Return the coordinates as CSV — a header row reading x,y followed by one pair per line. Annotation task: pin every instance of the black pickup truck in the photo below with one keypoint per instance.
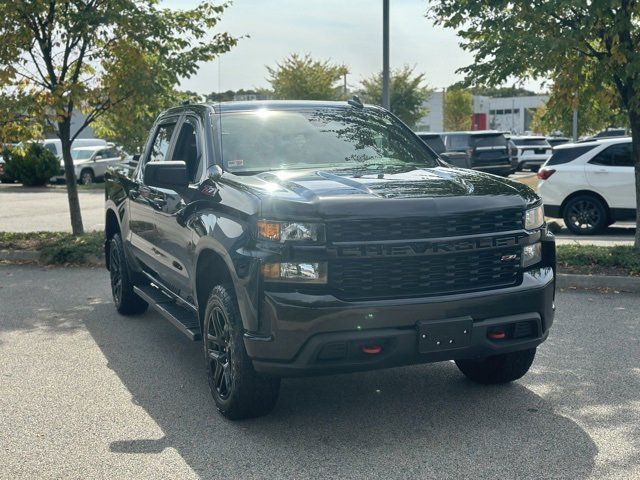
x,y
298,238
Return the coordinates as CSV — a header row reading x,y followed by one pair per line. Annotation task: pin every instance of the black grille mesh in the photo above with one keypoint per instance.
x,y
424,276
439,227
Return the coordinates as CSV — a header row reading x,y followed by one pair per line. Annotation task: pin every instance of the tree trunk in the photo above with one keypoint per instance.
x,y
70,177
634,121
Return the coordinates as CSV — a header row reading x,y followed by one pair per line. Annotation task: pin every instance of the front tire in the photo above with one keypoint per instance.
x,y
585,215
87,177
503,368
238,391
127,302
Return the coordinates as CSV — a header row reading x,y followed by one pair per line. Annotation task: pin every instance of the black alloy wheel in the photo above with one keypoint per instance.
x,y
585,215
219,353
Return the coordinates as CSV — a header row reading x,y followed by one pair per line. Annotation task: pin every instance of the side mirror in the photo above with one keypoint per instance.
x,y
97,157
169,175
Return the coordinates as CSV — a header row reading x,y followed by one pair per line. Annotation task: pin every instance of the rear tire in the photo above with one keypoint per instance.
x,y
503,368
237,389
585,215
127,302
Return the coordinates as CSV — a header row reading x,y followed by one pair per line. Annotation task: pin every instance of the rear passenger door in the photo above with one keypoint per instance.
x,y
611,174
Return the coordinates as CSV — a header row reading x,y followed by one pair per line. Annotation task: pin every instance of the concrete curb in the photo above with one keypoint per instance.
x,y
613,282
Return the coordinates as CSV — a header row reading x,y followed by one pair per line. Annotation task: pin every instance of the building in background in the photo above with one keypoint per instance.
x,y
433,121
512,114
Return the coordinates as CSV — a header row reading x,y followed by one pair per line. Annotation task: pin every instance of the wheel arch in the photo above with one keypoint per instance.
x,y
211,270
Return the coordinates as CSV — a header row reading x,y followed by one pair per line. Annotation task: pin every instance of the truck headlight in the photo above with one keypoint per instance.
x,y
534,218
303,272
531,254
290,231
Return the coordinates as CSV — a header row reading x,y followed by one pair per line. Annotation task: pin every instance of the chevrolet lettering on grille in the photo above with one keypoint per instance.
x,y
420,248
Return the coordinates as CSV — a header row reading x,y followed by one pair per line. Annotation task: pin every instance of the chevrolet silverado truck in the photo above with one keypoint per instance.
x,y
298,238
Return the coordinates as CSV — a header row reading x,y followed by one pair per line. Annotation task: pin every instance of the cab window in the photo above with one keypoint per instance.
x,y
161,142
187,148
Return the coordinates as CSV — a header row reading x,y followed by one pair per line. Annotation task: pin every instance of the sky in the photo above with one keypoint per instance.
x,y
345,31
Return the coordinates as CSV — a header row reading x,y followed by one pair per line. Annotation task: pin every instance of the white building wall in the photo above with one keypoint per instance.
x,y
433,121
513,114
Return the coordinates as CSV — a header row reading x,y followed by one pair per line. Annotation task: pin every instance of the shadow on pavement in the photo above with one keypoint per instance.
x,y
425,421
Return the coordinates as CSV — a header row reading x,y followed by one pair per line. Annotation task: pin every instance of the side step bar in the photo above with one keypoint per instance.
x,y
185,320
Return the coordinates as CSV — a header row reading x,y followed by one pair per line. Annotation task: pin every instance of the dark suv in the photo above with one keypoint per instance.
x,y
487,150
298,238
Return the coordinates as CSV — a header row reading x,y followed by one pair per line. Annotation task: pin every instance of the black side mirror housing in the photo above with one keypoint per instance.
x,y
169,175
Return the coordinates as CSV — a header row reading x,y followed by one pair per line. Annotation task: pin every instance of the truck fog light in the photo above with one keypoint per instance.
x,y
531,254
307,272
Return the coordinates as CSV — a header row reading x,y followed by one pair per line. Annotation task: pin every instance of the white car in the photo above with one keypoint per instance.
x,y
91,163
590,185
529,152
55,146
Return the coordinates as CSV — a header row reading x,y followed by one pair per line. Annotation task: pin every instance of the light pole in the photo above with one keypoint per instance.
x,y
386,98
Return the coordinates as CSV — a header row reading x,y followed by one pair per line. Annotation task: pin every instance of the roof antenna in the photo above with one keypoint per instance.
x,y
355,102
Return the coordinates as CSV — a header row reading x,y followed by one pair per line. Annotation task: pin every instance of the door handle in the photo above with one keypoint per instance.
x,y
601,170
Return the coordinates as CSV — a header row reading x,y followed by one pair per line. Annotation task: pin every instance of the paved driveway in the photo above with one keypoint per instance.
x,y
86,393
47,208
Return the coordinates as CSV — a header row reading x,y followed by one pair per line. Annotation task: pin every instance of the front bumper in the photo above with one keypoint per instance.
x,y
320,334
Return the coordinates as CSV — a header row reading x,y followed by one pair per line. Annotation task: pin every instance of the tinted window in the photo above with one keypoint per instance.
x,y
344,138
458,142
435,142
534,142
51,147
566,155
187,148
161,143
488,141
615,156
109,153
81,154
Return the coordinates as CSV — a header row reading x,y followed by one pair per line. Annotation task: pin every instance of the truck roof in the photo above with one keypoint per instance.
x,y
266,104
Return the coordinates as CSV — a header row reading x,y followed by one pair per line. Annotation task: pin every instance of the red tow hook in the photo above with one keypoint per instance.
x,y
497,335
372,349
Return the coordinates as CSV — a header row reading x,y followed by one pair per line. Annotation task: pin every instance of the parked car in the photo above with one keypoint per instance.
x,y
590,185
486,150
91,163
55,146
435,142
298,238
555,141
529,151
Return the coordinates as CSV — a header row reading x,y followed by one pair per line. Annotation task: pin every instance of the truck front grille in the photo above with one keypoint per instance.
x,y
368,278
438,227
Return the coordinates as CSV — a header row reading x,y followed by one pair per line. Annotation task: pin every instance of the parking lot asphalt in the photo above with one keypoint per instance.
x,y
86,393
47,209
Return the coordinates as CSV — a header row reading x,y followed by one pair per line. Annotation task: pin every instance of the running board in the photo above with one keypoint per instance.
x,y
185,320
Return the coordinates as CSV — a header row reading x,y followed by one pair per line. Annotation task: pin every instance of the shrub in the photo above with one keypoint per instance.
x,y
34,168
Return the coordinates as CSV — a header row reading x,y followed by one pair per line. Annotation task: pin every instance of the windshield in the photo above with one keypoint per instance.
x,y
81,154
533,142
329,138
488,141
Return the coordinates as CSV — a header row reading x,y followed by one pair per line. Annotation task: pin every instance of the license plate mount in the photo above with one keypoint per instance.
x,y
443,335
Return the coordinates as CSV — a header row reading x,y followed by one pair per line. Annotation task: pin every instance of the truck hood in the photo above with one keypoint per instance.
x,y
417,192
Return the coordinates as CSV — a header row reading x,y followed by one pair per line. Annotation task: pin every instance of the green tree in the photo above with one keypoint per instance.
x,y
128,123
598,105
17,123
304,78
94,55
458,108
408,92
595,40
